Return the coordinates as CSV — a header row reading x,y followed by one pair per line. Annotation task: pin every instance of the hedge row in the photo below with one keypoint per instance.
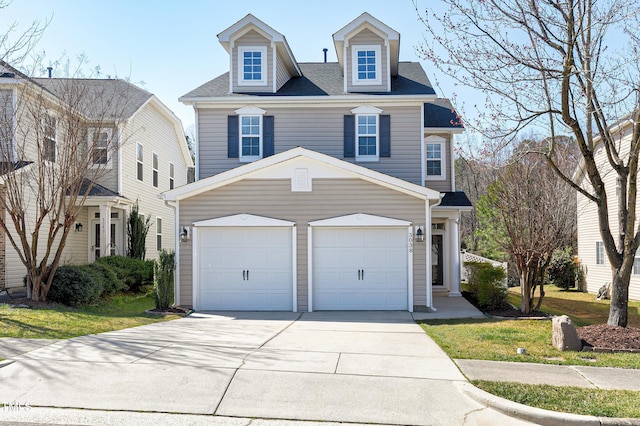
x,y
81,284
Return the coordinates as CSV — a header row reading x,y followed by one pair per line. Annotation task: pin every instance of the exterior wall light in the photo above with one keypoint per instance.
x,y
419,234
78,227
184,234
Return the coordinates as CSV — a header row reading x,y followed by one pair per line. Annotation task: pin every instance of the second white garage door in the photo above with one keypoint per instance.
x,y
247,269
360,269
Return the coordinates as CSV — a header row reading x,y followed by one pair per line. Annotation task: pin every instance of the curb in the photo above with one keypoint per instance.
x,y
6,362
538,415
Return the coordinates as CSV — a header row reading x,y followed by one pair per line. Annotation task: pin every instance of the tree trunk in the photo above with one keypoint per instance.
x,y
618,312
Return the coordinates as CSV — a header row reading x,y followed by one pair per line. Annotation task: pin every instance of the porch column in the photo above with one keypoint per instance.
x,y
427,242
105,230
454,244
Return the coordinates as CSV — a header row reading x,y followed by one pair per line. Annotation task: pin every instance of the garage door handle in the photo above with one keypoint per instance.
x,y
247,275
363,274
244,275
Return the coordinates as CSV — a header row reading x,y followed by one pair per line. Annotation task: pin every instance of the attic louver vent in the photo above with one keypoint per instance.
x,y
7,75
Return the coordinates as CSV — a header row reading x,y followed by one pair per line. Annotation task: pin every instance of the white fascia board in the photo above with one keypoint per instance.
x,y
364,19
453,131
244,220
443,209
360,220
224,102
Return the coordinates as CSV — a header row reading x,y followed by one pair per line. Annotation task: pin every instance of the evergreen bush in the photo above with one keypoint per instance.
x,y
487,283
75,285
163,279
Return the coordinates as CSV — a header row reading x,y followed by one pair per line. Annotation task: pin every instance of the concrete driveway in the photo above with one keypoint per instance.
x,y
364,367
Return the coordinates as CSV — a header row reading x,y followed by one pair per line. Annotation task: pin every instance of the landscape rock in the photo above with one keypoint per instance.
x,y
564,334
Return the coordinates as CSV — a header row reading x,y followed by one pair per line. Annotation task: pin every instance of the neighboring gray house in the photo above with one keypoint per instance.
x,y
320,186
151,157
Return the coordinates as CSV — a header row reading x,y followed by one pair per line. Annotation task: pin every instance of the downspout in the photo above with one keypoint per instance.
x,y
176,244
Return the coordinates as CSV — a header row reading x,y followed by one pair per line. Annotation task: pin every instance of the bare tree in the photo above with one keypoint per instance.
x,y
560,67
57,137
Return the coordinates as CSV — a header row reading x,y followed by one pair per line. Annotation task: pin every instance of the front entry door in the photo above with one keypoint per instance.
x,y
116,234
437,260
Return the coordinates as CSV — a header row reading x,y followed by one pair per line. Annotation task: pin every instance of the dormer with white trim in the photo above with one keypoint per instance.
x,y
260,60
368,53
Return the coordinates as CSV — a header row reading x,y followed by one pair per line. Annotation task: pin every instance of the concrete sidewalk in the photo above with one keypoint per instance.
x,y
548,374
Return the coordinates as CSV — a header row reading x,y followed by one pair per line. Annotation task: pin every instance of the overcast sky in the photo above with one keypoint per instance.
x,y
169,47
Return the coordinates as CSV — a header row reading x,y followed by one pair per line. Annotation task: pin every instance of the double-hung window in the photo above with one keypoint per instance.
x,y
250,137
599,253
366,137
366,65
636,263
158,234
435,161
252,69
139,162
49,139
99,147
154,163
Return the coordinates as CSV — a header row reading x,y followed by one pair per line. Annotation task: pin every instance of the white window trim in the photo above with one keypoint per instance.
x,y
365,158
158,233
436,140
139,161
155,156
263,66
249,112
599,248
354,66
92,132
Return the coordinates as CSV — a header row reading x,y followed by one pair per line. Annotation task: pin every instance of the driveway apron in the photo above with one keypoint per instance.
x,y
370,367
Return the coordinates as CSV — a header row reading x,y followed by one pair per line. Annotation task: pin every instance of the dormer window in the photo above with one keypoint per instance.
x,y
366,65
252,70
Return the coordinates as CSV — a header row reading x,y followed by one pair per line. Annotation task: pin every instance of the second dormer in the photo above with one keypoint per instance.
x,y
368,53
260,58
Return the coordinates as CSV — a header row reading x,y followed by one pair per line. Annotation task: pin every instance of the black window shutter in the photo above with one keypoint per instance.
x,y
385,136
233,142
267,136
349,136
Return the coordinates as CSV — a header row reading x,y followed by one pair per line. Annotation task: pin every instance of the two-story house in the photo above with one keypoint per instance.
x,y
320,186
136,148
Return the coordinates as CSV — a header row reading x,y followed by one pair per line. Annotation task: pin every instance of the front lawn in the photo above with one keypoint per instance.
x,y
61,322
498,340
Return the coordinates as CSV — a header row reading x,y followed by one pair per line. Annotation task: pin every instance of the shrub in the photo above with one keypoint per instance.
x,y
103,272
163,269
137,230
487,282
75,285
562,270
134,273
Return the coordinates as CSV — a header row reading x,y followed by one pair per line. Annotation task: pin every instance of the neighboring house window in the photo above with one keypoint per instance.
x,y
599,253
158,234
171,176
49,140
154,162
252,70
99,146
435,162
140,161
366,137
636,263
366,65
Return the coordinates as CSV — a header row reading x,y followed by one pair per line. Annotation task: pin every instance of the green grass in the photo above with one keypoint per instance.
x,y
61,322
594,402
497,340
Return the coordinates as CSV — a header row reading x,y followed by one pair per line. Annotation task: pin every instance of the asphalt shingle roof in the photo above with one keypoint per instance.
x,y
324,79
455,199
98,98
440,113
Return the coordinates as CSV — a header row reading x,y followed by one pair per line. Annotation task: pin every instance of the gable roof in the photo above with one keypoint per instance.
x,y
322,80
440,113
252,169
250,22
367,21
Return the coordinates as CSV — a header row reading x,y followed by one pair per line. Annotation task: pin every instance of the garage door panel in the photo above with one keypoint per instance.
x,y
360,269
246,269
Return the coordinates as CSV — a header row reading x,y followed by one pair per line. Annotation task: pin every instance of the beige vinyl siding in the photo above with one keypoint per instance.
x,y
367,37
442,185
318,129
6,122
589,229
156,134
282,75
329,198
252,38
76,251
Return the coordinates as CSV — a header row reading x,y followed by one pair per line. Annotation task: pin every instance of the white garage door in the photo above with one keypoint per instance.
x,y
245,269
360,269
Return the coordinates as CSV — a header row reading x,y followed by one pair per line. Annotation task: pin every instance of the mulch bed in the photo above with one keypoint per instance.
x,y
610,337
174,310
